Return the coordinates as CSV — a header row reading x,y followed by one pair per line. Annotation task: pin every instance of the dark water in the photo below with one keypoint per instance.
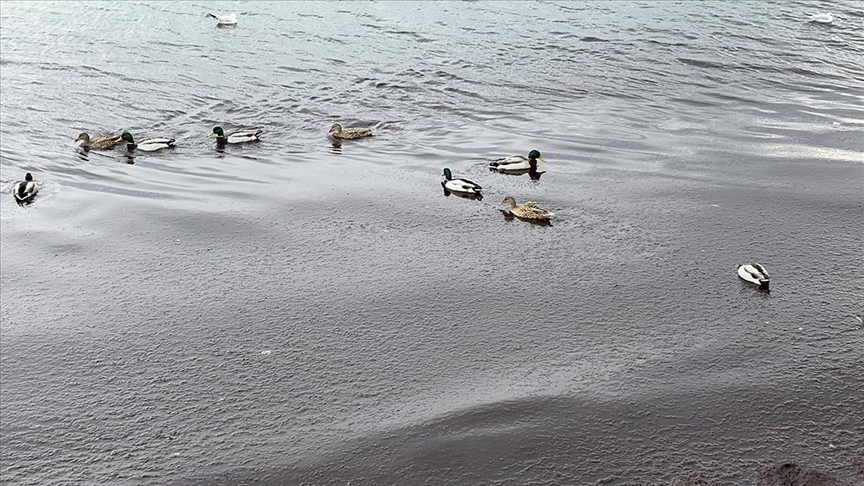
x,y
296,313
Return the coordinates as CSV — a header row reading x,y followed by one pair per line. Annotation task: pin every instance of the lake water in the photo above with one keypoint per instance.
x,y
294,312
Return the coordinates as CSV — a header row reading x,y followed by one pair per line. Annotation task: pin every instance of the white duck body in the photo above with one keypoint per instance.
x,y
230,19
514,162
462,185
755,274
25,190
154,144
243,136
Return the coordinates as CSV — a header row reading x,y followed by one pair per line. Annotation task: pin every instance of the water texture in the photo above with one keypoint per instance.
x,y
299,312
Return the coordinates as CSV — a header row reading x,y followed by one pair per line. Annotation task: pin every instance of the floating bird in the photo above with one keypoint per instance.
x,y
230,19
517,162
24,191
755,274
149,145
240,136
528,211
822,18
84,142
459,185
336,131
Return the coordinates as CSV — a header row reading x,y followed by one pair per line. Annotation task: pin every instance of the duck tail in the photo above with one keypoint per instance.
x,y
258,132
171,142
211,15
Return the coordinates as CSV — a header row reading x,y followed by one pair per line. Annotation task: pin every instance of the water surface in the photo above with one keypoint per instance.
x,y
292,312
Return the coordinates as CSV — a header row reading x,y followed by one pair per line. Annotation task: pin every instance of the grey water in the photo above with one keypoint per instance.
x,y
302,312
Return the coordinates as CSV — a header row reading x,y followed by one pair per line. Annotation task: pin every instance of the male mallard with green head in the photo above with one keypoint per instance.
x,y
529,210
459,185
149,145
517,162
84,142
240,136
336,131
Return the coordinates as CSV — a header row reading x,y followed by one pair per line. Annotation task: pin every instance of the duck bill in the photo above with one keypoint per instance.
x,y
541,159
211,134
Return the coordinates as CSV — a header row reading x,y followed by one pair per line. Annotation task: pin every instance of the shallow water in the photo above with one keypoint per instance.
x,y
293,312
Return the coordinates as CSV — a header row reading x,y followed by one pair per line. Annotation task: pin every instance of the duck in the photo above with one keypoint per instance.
x,y
336,131
755,274
459,185
517,162
86,143
822,18
240,136
230,19
529,210
149,145
24,191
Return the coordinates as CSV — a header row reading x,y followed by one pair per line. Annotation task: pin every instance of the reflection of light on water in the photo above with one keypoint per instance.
x,y
807,152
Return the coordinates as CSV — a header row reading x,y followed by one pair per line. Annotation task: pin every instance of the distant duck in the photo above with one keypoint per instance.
x,y
755,274
336,131
529,210
517,162
459,185
230,19
84,142
240,136
24,191
149,145
822,18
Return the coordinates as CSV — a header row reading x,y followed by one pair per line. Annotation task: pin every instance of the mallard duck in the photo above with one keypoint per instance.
x,y
240,136
230,19
336,131
755,274
517,162
84,142
149,145
459,185
529,210
24,191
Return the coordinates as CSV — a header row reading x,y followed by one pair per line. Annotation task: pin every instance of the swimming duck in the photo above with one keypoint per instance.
x,y
517,162
84,142
755,274
336,131
529,210
459,185
822,18
240,136
230,19
149,145
24,191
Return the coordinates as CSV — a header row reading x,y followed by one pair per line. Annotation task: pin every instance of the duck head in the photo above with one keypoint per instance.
x,y
130,142
535,155
509,201
83,139
335,129
216,132
447,174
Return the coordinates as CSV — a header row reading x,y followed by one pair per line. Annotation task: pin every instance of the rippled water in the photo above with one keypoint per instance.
x,y
296,312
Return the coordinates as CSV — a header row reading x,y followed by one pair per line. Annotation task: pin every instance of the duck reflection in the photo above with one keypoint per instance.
x,y
463,195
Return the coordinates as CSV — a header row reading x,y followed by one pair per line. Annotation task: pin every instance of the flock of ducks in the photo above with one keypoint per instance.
x,y
25,191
